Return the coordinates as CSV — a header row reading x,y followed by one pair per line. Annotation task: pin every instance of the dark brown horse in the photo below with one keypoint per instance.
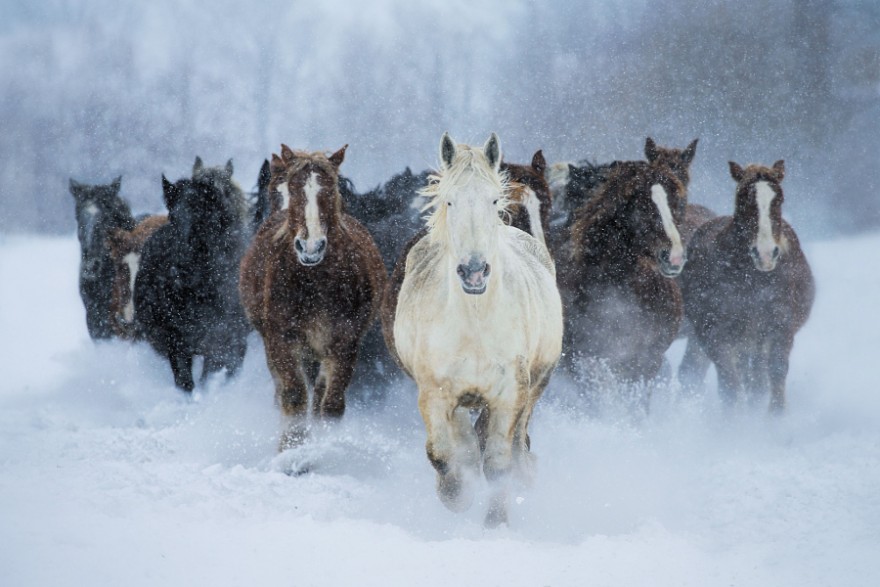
x,y
748,287
311,284
125,251
623,306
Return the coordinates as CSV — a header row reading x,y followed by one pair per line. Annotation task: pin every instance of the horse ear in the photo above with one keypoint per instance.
x,y
265,175
197,166
688,154
229,167
277,165
650,150
447,150
338,157
736,172
539,164
116,185
286,153
75,187
779,169
169,193
492,151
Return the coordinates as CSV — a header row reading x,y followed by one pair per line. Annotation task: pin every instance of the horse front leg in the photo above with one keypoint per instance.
x,y
507,415
452,445
779,351
291,391
333,380
694,366
727,363
181,366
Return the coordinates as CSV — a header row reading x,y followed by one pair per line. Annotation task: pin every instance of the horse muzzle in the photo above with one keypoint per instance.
x,y
474,275
671,265
310,253
765,261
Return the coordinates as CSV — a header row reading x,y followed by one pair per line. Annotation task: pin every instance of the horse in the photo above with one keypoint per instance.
x,y
99,210
125,251
748,287
478,325
623,304
528,209
311,284
186,292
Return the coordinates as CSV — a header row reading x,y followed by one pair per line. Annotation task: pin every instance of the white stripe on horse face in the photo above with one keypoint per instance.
x,y
765,243
91,209
285,195
133,260
660,199
533,207
313,217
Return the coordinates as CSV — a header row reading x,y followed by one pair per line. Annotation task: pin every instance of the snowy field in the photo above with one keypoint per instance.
x,y
110,476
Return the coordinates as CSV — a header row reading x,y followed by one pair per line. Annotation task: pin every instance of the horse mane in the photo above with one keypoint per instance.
x,y
441,184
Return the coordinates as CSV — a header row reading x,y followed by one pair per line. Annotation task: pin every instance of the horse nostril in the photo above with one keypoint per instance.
x,y
754,252
462,271
298,245
320,246
664,256
487,270
775,252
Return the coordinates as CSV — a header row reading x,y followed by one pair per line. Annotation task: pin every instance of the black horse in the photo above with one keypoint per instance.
x,y
99,211
186,292
391,213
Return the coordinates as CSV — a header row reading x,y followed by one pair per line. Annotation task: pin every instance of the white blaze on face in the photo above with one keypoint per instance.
x,y
91,209
313,217
285,195
133,261
533,207
765,244
676,251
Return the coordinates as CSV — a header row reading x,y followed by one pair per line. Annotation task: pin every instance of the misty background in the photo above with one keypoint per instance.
x,y
99,88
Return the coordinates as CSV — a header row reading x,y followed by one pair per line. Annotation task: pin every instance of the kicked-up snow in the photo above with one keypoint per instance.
x,y
109,475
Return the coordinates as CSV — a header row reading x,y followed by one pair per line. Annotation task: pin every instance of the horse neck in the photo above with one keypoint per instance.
x,y
607,246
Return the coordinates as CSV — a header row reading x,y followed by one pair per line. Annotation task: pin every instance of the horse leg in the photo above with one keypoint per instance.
x,y
333,379
291,391
727,361
504,419
780,350
694,366
181,365
757,371
446,425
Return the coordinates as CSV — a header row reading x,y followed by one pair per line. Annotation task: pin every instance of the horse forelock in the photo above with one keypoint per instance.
x,y
443,185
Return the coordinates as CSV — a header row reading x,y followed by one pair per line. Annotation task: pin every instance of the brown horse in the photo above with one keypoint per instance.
x,y
125,251
748,287
623,306
311,284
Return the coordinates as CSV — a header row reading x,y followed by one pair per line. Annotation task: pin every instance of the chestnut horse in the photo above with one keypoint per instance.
x,y
186,291
125,251
99,211
311,284
623,304
748,287
478,325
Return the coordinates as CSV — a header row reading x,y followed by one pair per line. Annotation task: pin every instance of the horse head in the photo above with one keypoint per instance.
x,y
529,197
678,160
99,210
309,183
758,212
467,195
653,213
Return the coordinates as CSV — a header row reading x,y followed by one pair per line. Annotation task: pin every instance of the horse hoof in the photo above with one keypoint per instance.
x,y
451,490
295,436
496,516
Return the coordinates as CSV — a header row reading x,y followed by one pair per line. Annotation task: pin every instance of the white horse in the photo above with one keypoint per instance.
x,y
478,325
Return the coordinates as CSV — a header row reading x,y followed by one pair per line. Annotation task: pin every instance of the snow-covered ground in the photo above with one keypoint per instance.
x,y
110,476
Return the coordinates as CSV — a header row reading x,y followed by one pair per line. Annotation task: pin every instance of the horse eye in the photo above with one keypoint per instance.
x,y
449,204
495,202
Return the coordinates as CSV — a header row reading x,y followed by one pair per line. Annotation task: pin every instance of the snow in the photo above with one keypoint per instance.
x,y
109,475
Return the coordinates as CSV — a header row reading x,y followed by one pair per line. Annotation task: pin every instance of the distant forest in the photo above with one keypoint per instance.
x,y
97,88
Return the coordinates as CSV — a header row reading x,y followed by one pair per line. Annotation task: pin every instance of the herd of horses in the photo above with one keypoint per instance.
x,y
460,279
